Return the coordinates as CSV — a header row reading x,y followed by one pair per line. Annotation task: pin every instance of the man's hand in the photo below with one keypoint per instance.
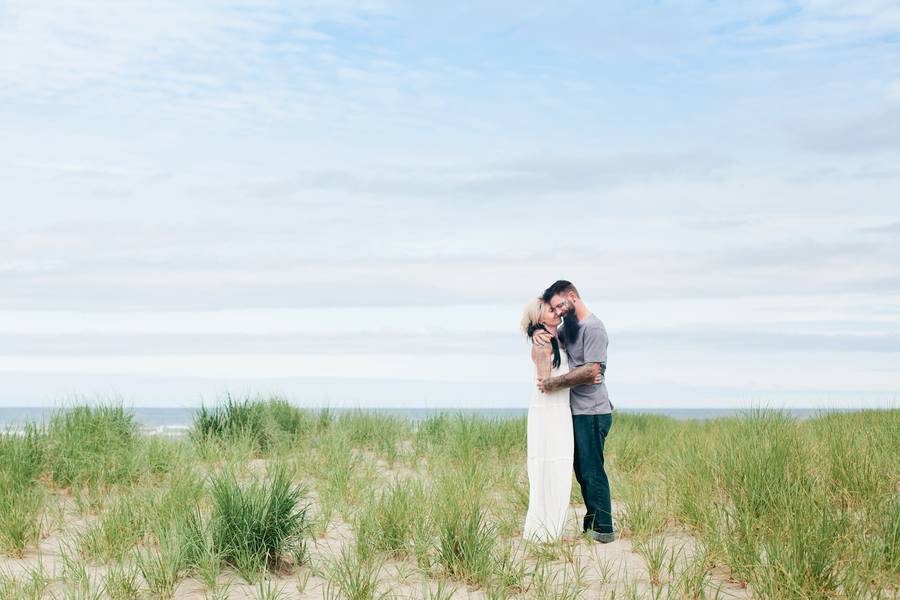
x,y
541,338
549,385
540,385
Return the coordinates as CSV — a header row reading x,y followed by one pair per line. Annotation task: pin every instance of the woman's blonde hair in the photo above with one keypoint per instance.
x,y
531,316
531,322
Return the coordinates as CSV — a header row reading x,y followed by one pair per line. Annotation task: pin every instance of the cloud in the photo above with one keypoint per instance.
x,y
378,256
269,166
164,291
675,31
893,91
226,64
511,343
503,179
870,133
339,344
724,223
51,47
796,254
761,341
875,285
889,228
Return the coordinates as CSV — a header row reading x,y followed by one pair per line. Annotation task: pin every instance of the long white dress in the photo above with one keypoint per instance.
x,y
550,451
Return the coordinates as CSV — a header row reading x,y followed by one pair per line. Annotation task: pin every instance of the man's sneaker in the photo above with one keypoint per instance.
x,y
603,538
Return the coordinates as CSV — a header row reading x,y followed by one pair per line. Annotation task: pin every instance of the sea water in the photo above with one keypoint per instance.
x,y
177,420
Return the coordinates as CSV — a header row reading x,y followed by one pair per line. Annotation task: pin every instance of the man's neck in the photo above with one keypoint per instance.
x,y
582,312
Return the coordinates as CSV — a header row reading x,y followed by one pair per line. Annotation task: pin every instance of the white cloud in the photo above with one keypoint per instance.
x,y
259,169
893,91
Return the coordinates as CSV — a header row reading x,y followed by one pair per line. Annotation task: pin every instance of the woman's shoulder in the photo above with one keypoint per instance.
x,y
541,348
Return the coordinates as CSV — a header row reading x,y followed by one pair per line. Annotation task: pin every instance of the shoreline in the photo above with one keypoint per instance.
x,y
177,422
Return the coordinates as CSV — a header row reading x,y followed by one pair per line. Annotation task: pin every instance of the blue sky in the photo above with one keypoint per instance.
x,y
350,202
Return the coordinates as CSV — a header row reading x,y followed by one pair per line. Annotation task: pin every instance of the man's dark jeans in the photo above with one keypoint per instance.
x,y
590,437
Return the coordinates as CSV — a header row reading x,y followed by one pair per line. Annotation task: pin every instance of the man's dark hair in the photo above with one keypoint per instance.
x,y
560,287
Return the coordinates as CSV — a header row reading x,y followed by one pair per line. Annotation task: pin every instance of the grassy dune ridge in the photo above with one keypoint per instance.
x,y
264,500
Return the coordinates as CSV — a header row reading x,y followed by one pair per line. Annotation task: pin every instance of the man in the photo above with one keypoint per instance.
x,y
585,340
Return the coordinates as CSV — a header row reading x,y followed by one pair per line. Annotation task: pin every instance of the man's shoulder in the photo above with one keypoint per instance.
x,y
593,329
593,322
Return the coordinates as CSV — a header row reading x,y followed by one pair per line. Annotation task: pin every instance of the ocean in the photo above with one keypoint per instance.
x,y
177,420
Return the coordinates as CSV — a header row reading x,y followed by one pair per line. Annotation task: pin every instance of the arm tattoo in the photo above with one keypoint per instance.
x,y
581,376
541,359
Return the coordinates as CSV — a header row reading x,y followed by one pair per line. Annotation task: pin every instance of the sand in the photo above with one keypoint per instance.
x,y
612,570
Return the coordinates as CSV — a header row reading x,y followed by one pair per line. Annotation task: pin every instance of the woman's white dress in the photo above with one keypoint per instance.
x,y
550,450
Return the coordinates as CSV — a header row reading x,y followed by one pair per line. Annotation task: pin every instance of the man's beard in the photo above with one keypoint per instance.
x,y
570,327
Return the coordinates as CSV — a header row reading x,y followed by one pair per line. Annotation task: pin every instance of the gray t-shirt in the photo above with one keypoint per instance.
x,y
589,346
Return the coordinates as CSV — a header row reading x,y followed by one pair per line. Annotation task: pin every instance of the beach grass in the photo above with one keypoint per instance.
x,y
21,498
355,574
92,446
385,524
257,525
372,505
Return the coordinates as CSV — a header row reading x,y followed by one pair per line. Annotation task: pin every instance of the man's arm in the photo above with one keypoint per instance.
x,y
586,374
541,338
595,342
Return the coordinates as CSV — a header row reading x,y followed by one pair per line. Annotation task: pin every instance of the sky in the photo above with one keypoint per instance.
x,y
349,203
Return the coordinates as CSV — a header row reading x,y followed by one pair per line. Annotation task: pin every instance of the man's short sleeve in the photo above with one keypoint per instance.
x,y
595,343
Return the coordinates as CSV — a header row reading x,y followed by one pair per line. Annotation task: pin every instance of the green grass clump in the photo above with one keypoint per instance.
x,y
796,508
466,542
134,515
233,419
379,433
32,585
21,498
121,527
466,437
121,582
343,475
387,523
92,446
258,525
466,537
644,516
262,423
354,575
160,456
162,565
291,420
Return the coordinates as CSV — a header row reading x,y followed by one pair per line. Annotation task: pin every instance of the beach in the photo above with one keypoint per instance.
x,y
259,499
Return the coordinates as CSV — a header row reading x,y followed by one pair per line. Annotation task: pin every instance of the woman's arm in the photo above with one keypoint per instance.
x,y
541,357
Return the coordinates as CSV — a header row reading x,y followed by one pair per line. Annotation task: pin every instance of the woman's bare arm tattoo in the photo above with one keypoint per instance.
x,y
541,358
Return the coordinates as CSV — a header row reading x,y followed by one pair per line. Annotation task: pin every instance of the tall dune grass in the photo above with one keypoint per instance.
x,y
385,524
264,424
257,525
92,446
21,499
794,509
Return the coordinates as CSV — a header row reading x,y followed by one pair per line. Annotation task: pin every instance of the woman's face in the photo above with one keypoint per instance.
x,y
548,316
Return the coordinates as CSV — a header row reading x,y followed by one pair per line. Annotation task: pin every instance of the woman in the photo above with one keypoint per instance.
x,y
550,440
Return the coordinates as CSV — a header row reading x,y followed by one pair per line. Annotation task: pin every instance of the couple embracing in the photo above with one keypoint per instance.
x,y
569,416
